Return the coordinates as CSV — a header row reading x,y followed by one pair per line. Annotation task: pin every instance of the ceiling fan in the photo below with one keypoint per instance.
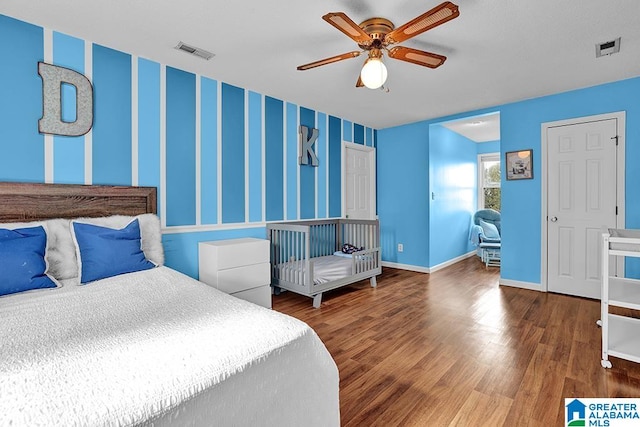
x,y
376,35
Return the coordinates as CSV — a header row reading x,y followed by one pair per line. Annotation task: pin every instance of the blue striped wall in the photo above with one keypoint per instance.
x,y
180,147
209,151
112,126
21,146
68,154
222,157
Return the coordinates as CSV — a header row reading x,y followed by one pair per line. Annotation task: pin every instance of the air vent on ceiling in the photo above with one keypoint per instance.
x,y
204,54
607,48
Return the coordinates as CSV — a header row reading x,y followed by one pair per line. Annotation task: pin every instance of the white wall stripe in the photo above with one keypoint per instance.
x,y
48,138
48,158
134,120
246,156
176,229
88,138
219,152
298,191
264,159
163,145
315,148
198,149
284,161
326,166
218,227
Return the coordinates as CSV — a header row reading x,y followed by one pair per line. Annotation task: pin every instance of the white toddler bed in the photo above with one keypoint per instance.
x,y
152,347
306,256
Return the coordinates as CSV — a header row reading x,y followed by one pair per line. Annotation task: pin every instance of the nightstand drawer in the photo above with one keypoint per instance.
x,y
238,267
224,254
260,295
242,278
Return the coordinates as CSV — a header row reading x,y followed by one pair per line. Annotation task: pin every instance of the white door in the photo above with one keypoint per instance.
x,y
581,202
359,190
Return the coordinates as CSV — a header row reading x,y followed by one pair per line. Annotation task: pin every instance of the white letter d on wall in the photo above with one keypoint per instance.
x,y
51,122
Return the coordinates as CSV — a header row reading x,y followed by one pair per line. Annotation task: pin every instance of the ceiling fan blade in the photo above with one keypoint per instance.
x,y
428,20
415,56
329,60
343,23
359,82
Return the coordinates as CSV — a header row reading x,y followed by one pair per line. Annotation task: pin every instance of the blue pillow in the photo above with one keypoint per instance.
x,y
22,263
106,252
490,231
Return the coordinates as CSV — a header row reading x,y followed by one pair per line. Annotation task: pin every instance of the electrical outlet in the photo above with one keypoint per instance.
x,y
400,247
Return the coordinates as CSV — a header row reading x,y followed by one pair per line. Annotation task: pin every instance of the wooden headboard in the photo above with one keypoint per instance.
x,y
32,202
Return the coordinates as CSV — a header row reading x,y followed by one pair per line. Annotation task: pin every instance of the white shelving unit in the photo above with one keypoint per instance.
x,y
620,334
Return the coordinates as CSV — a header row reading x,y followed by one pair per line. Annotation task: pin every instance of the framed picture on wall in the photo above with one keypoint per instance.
x,y
519,164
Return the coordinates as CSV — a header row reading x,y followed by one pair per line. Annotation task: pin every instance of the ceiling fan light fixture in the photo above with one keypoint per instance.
x,y
373,73
375,35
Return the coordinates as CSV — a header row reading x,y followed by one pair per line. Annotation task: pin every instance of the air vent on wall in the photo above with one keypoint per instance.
x,y
607,48
204,54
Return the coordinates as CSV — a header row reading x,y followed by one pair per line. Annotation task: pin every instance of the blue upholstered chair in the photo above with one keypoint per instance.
x,y
486,233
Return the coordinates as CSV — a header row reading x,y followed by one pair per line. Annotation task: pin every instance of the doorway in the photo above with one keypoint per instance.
x,y
582,195
359,182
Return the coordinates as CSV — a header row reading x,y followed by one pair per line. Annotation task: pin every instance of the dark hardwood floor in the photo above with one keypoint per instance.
x,y
454,348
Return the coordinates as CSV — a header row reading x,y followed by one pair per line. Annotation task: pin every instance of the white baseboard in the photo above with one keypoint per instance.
x,y
451,261
409,267
433,269
523,285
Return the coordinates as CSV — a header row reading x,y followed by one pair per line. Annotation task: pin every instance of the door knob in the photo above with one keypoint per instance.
x,y
554,218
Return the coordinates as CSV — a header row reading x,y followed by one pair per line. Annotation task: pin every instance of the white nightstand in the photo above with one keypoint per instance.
x,y
239,267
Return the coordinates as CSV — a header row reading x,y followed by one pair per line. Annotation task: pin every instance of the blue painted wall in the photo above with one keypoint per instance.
x,y
403,193
226,185
111,132
453,179
521,200
22,156
68,156
521,204
180,147
488,147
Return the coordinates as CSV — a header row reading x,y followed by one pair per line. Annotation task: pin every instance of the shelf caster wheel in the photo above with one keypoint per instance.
x,y
606,364
599,323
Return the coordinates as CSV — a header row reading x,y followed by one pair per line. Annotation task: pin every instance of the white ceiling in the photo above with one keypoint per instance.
x,y
483,128
498,51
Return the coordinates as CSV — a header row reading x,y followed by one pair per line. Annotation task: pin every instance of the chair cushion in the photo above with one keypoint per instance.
x,y
488,215
490,231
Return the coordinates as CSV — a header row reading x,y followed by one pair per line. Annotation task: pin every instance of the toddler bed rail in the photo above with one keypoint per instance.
x,y
306,257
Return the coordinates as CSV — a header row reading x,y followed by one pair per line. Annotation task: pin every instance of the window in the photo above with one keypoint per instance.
x,y
489,181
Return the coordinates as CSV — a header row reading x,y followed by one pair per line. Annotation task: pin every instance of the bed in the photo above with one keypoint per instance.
x,y
151,347
312,257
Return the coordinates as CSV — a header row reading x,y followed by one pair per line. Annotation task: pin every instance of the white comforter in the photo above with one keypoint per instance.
x,y
157,346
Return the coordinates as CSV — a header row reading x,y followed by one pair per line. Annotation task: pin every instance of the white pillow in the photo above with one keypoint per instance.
x,y
61,253
342,254
150,234
62,262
